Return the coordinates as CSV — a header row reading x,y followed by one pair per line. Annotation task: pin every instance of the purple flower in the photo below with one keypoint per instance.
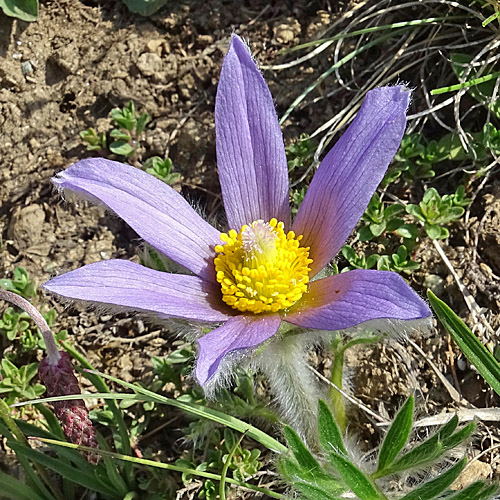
x,y
261,273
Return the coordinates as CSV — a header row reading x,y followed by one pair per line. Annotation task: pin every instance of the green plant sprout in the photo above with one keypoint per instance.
x,y
300,153
435,211
129,128
20,284
16,383
95,141
162,169
381,218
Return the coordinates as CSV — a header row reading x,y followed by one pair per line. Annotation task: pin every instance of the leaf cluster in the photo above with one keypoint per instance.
x,y
435,211
398,262
339,474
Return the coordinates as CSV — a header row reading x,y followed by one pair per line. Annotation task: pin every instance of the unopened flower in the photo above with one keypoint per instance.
x,y
262,272
56,373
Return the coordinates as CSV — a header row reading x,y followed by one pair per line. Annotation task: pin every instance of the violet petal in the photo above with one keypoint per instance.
x,y
157,213
240,332
251,156
134,287
349,299
349,174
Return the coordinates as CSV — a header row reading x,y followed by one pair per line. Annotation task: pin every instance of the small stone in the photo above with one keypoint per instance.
x,y
149,63
26,226
435,283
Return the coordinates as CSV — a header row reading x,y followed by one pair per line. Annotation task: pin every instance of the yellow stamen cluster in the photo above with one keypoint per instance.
x,y
262,269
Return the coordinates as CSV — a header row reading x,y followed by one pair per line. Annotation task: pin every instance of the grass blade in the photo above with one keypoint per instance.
x,y
469,344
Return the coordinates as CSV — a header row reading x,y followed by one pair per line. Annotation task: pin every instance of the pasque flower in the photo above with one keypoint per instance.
x,y
261,272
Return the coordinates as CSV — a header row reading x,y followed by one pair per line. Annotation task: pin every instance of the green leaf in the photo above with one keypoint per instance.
x,y
459,436
433,488
475,491
397,436
474,350
26,10
435,232
449,428
17,490
144,7
67,471
422,454
353,477
330,436
300,452
121,147
313,492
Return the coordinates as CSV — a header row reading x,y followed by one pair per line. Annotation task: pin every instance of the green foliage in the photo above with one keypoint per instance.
x,y
129,129
332,479
358,261
300,153
380,218
484,362
15,383
297,199
144,7
435,211
397,436
483,92
26,10
95,141
162,169
20,284
399,262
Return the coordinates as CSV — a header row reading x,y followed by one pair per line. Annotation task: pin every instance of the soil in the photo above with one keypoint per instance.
x,y
65,72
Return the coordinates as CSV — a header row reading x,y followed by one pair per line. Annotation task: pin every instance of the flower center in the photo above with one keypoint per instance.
x,y
262,269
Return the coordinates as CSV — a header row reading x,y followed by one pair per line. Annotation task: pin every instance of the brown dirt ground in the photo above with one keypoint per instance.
x,y
65,72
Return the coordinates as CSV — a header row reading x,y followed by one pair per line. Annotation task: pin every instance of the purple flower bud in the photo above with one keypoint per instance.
x,y
60,380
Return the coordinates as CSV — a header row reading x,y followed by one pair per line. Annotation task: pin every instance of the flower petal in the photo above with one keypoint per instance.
x,y
251,156
349,174
240,332
157,213
349,299
134,287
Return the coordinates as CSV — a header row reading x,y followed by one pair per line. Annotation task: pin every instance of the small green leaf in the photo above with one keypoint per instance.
x,y
433,488
397,436
353,477
329,433
469,344
300,452
459,436
313,492
26,10
449,428
121,147
422,454
475,491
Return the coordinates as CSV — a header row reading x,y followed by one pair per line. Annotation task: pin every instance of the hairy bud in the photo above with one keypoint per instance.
x,y
60,380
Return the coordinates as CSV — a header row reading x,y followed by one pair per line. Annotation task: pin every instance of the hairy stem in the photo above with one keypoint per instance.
x,y
292,384
336,398
52,351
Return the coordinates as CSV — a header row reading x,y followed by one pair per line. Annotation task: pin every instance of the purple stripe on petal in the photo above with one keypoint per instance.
x,y
351,298
158,214
241,332
349,174
251,156
134,287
